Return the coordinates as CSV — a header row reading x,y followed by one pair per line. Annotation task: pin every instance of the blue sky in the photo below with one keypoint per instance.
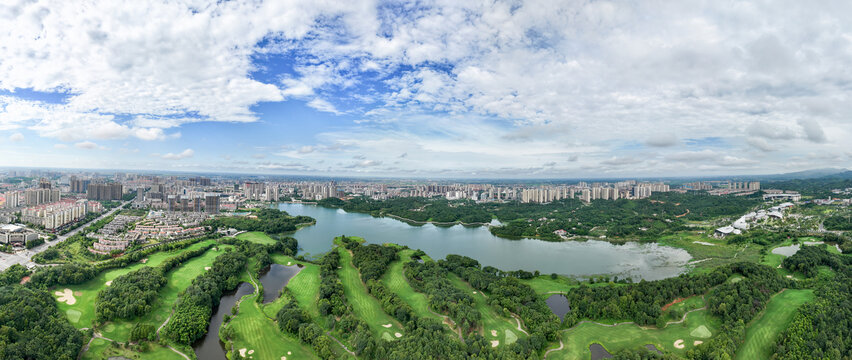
x,y
429,88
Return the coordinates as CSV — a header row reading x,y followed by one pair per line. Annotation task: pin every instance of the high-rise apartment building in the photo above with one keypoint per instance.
x,y
111,191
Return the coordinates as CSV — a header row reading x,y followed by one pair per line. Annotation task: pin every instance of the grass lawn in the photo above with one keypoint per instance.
x,y
252,330
506,330
763,332
304,287
365,306
82,313
631,336
256,237
178,279
395,281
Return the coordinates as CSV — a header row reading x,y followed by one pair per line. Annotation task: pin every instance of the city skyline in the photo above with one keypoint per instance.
x,y
371,89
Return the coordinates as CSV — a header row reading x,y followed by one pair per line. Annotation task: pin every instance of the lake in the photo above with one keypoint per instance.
x,y
572,258
209,346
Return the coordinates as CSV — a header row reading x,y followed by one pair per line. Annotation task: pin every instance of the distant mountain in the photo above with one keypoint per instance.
x,y
811,174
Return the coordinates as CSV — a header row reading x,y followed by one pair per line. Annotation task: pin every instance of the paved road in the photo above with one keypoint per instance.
x,y
24,257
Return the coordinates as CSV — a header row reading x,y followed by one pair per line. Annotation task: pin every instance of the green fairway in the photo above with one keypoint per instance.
x,y
365,306
257,237
260,336
762,333
631,336
178,279
82,313
494,326
304,287
395,281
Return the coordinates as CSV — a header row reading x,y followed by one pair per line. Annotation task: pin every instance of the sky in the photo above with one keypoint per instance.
x,y
502,89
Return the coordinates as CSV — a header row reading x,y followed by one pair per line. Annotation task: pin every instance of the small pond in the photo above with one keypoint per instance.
x,y
275,279
559,305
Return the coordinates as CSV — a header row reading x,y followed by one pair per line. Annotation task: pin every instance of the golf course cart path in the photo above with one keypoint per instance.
x,y
561,346
521,329
340,343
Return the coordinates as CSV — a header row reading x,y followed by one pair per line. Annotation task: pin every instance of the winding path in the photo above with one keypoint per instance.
x,y
561,346
340,343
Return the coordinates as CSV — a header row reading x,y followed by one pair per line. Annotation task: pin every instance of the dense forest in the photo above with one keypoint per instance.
x,y
130,295
430,279
821,329
838,222
193,308
510,296
270,221
31,326
645,218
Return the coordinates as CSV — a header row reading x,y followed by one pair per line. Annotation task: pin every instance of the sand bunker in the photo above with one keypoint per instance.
x,y
283,358
789,276
206,268
387,325
289,353
494,343
701,332
289,262
697,342
397,335
251,352
66,296
494,333
704,243
243,352
144,260
679,344
108,283
474,292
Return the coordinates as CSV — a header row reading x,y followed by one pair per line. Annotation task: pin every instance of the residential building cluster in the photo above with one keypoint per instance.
x,y
57,215
16,235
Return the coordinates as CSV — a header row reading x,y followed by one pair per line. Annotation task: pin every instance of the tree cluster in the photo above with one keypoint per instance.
x,y
31,326
130,295
270,221
430,279
193,308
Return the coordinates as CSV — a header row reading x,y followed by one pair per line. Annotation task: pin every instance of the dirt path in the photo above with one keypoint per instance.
x,y
561,346
521,329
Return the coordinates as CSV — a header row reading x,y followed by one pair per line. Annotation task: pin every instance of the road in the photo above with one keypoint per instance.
x,y
24,257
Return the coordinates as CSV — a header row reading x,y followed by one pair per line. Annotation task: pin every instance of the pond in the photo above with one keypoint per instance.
x,y
558,305
275,279
792,249
209,347
572,258
598,352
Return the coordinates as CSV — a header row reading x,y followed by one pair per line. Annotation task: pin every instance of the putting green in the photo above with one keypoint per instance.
x,y
256,237
510,337
73,315
701,332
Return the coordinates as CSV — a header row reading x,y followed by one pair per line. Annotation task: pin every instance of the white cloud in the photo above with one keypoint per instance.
x,y
323,106
16,137
188,153
662,140
88,145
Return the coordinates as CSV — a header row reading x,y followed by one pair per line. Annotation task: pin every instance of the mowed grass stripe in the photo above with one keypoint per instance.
x,y
365,305
395,281
763,332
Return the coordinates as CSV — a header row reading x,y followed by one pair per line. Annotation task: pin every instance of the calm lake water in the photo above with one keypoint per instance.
x,y
275,279
573,258
209,347
559,305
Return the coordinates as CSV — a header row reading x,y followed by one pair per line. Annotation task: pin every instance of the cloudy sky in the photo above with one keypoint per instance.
x,y
430,88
